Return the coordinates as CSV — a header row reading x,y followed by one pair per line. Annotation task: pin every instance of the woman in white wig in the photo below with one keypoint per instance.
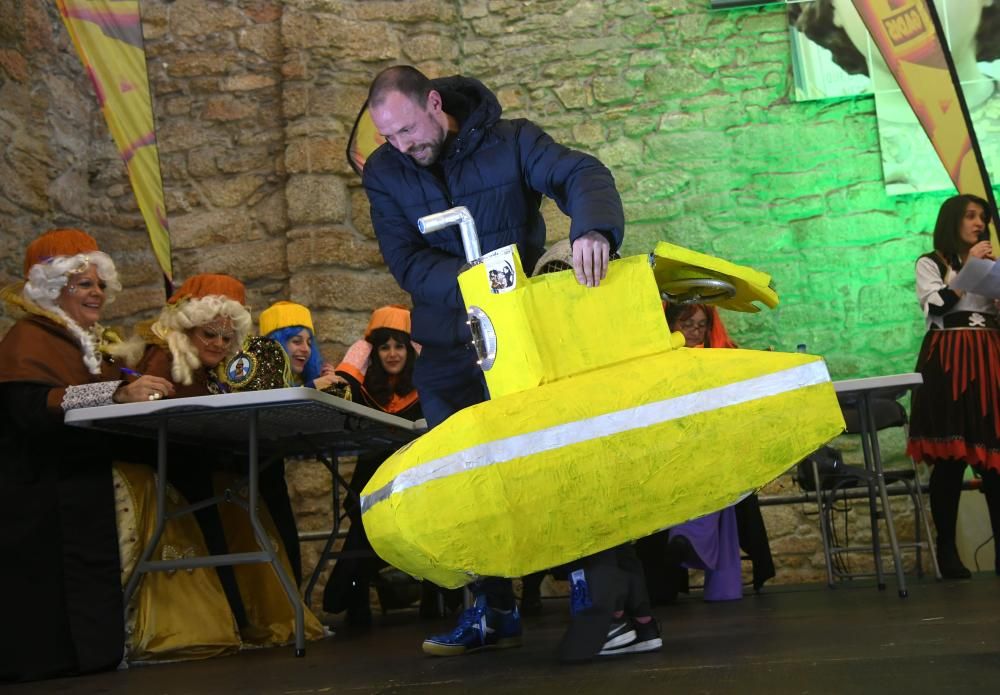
x,y
202,326
204,323
58,538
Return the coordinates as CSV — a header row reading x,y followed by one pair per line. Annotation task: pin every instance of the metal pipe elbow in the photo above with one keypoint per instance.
x,y
467,227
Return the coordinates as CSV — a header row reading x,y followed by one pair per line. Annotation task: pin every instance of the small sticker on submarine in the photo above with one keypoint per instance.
x,y
500,270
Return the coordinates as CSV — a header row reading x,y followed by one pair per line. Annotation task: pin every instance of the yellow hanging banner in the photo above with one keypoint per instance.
x,y
107,35
364,140
908,35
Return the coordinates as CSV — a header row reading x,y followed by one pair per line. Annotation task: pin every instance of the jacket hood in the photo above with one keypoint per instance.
x,y
474,106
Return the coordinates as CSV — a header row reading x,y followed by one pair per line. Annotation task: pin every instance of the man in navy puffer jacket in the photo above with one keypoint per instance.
x,y
447,146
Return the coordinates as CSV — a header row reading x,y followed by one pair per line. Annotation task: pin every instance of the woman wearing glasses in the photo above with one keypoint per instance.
x,y
712,542
699,323
58,540
203,325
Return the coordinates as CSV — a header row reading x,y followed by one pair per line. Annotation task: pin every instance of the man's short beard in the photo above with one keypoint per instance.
x,y
435,148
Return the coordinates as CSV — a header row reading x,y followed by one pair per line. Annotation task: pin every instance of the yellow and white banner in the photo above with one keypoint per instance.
x,y
107,35
908,35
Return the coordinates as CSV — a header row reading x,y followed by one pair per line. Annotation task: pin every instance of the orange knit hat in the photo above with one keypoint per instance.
x,y
393,316
58,242
206,284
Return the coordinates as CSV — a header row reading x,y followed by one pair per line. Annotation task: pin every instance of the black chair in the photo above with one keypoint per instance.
x,y
825,474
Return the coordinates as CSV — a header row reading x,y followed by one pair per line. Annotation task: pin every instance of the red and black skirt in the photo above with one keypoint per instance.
x,y
955,414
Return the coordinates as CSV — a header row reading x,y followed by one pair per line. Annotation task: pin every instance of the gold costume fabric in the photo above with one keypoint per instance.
x,y
270,618
182,614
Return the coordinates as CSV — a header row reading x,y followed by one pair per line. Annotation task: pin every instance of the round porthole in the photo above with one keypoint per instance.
x,y
484,337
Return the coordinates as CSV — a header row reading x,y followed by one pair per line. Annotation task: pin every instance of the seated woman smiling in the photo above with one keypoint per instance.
x,y
291,325
203,323
378,370
58,536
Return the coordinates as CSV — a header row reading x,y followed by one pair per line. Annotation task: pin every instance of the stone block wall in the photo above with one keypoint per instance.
x,y
690,108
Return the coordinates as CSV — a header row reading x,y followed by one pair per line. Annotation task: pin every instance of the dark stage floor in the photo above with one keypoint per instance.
x,y
808,639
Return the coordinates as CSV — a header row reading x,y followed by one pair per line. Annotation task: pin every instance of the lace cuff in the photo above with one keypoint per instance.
x,y
87,395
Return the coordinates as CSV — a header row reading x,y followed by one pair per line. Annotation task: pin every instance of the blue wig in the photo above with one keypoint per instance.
x,y
315,362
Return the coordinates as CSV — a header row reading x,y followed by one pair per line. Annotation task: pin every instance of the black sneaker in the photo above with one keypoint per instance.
x,y
647,639
619,634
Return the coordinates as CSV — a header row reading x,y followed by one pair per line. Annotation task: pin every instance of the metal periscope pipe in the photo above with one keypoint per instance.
x,y
467,227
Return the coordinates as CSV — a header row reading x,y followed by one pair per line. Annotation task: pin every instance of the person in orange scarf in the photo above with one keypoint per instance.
x,y
379,368
700,324
710,543
379,372
61,585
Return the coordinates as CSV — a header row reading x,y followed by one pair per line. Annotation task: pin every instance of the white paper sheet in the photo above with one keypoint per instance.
x,y
979,276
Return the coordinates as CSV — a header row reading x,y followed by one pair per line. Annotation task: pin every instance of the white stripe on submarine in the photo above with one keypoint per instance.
x,y
578,431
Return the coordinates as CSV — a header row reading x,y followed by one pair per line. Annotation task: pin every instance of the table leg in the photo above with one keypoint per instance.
x,y
324,556
869,419
264,542
161,512
823,530
873,491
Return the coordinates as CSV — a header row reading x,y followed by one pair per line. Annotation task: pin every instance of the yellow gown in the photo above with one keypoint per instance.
x,y
270,618
184,614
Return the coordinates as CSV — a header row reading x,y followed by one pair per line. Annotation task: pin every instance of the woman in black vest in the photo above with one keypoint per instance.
x,y
955,419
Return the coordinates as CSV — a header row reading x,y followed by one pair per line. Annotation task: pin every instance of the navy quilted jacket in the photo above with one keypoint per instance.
x,y
499,169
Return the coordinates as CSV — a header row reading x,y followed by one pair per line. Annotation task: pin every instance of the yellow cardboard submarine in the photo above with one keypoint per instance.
x,y
601,427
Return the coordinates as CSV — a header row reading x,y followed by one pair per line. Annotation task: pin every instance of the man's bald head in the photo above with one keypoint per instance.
x,y
408,113
405,79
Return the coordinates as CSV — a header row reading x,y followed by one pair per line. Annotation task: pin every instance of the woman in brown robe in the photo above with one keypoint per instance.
x,y
60,587
203,324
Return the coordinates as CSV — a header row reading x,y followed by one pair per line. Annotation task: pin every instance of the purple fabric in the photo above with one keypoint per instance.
x,y
716,541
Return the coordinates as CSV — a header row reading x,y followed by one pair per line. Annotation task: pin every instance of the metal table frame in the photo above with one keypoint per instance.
x,y
289,421
331,461
860,393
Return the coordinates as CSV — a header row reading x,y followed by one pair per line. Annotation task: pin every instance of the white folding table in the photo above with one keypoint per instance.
x,y
285,422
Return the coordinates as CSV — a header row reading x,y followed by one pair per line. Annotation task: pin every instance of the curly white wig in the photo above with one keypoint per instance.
x,y
46,281
176,320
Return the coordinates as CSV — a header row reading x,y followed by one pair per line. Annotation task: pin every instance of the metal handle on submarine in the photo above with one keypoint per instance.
x,y
467,227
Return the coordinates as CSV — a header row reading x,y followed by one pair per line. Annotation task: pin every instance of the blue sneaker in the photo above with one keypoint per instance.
x,y
480,627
